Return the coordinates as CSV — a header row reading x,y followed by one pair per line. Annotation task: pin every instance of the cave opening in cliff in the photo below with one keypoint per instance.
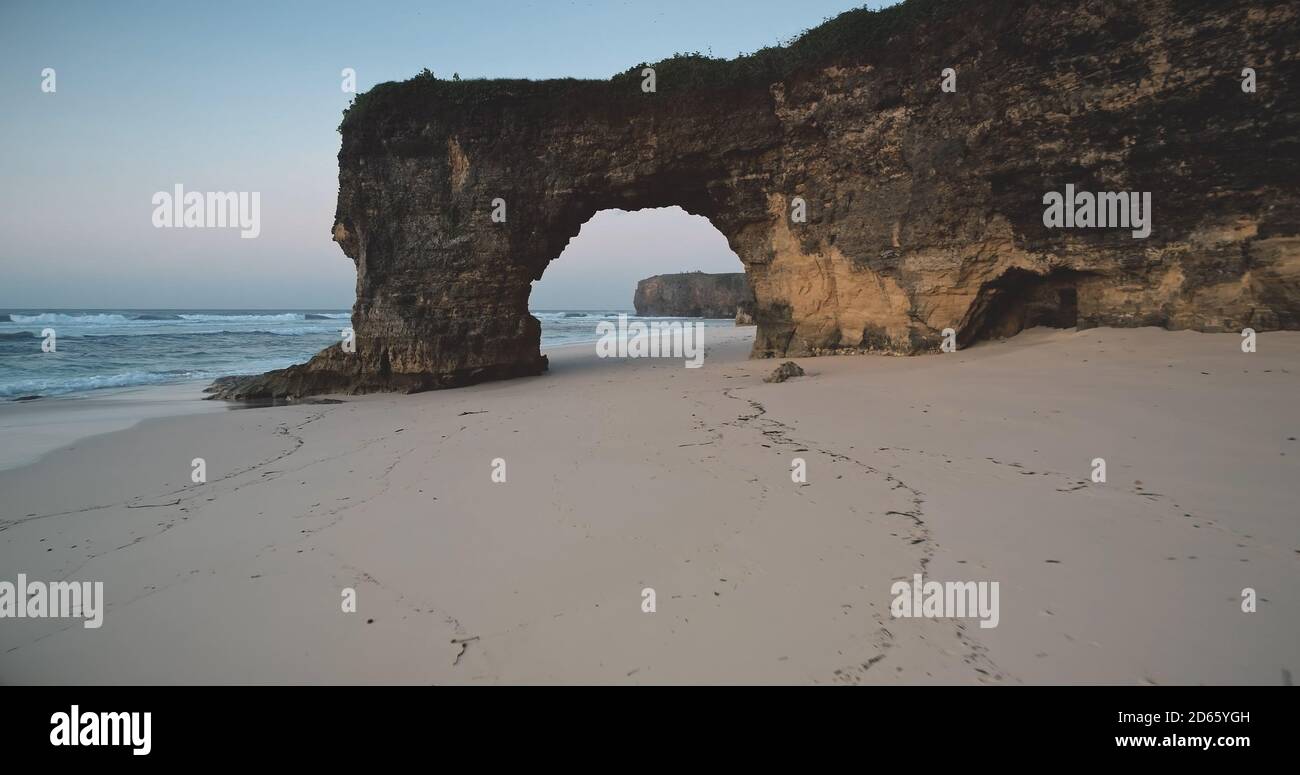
x,y
617,251
1021,299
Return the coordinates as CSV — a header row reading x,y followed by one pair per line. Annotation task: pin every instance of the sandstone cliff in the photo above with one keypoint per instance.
x,y
692,295
924,207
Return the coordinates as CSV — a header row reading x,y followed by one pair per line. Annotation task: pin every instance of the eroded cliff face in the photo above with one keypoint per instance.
x,y
693,295
924,208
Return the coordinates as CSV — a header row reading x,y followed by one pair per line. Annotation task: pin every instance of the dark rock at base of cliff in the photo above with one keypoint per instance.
x,y
785,371
334,371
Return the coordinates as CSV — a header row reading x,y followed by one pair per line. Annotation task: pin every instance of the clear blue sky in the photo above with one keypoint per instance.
x,y
241,96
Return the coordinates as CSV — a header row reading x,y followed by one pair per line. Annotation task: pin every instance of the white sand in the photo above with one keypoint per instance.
x,y
624,474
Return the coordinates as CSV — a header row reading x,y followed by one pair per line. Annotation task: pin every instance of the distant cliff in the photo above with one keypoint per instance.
x,y
693,295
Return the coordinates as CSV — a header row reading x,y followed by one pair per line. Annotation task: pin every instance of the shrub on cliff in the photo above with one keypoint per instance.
x,y
846,38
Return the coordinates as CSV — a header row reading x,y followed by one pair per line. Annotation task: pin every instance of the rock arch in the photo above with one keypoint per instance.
x,y
924,207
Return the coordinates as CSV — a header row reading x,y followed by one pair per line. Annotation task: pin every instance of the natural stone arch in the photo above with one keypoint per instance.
x,y
924,206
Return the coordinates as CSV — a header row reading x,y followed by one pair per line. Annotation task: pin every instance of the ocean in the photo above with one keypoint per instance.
x,y
101,349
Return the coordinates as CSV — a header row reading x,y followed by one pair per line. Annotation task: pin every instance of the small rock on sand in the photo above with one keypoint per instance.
x,y
785,371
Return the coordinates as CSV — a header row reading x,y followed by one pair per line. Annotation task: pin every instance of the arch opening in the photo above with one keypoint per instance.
x,y
666,261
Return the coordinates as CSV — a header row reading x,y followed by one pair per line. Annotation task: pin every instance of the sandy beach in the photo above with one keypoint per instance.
x,y
627,474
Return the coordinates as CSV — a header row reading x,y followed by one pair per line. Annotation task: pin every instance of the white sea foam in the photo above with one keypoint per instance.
x,y
60,317
114,318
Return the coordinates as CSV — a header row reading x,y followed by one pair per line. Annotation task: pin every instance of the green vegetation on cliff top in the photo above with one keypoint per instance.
x,y
844,37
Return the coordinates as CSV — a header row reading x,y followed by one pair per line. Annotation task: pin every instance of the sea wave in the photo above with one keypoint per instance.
x,y
82,384
162,337
61,317
577,316
185,334
287,316
116,318
125,379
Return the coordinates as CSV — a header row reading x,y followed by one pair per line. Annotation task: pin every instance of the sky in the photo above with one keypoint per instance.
x,y
246,96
